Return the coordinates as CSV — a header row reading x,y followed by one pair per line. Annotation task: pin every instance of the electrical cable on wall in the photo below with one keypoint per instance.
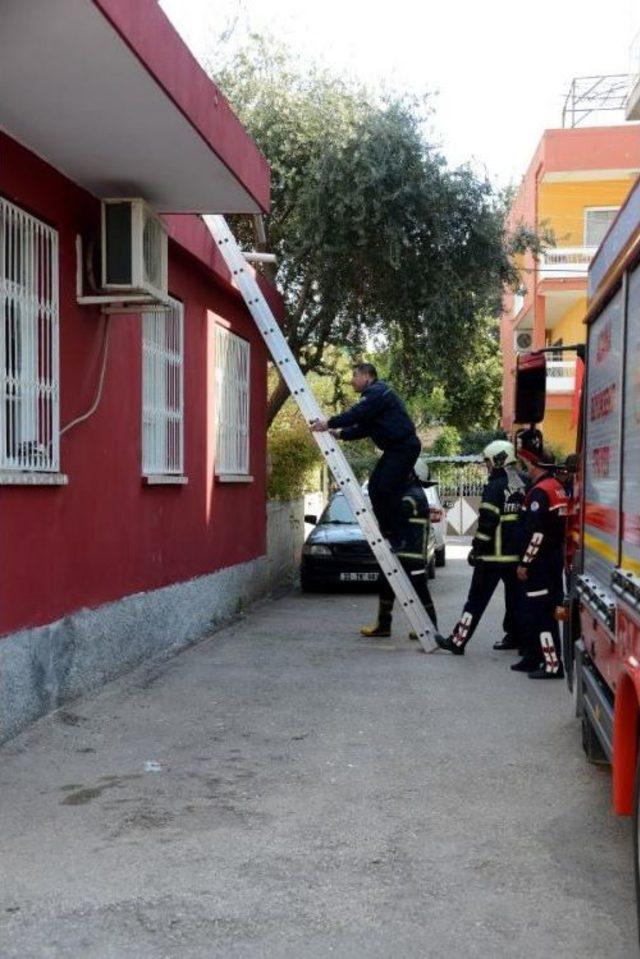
x,y
98,396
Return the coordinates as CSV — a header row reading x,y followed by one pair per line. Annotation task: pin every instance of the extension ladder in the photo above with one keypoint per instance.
x,y
246,282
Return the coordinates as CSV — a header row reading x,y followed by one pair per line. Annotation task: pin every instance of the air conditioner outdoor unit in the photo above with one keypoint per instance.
x,y
134,249
523,340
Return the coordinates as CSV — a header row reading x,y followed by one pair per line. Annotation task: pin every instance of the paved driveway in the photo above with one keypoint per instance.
x,y
315,794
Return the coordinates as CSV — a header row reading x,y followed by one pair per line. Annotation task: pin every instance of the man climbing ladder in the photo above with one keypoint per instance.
x,y
302,395
381,415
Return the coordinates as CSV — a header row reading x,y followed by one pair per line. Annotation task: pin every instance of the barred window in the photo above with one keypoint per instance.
x,y
232,403
163,391
597,221
29,347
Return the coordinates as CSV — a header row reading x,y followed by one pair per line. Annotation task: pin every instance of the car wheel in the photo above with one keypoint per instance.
x,y
431,568
308,585
441,556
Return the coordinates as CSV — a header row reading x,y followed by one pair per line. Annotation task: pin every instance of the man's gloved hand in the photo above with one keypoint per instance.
x,y
471,558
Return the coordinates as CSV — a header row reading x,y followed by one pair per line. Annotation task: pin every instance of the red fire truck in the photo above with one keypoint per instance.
x,y
602,631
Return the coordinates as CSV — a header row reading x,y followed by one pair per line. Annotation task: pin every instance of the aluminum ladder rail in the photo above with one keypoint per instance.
x,y
245,280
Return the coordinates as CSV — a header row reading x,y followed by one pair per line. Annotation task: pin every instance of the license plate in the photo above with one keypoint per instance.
x,y
358,577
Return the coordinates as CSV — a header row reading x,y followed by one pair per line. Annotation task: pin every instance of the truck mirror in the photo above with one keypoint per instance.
x,y
531,387
312,520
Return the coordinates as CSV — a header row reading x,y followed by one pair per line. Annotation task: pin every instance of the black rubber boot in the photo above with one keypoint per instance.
x,y
525,666
506,643
447,643
544,673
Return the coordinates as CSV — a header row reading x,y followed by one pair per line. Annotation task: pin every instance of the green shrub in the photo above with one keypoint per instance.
x,y
448,443
293,457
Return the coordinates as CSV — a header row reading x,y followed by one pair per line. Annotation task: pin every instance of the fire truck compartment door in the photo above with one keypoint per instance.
x,y
602,443
630,560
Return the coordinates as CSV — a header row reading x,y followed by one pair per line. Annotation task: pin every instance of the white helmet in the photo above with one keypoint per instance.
x,y
500,453
422,471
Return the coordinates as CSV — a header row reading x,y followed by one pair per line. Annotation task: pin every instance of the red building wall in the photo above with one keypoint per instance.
x,y
107,535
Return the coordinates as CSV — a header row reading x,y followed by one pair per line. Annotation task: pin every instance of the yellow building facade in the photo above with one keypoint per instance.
x,y
577,182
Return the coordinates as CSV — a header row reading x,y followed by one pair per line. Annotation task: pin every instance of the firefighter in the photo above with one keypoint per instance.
x,y
539,571
413,556
380,414
494,550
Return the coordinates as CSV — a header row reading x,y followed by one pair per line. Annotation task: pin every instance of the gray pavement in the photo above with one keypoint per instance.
x,y
318,794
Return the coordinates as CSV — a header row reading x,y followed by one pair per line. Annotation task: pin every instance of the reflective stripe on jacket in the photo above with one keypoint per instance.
x,y
497,539
415,509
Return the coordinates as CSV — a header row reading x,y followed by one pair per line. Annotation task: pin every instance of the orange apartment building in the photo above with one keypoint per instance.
x,y
575,184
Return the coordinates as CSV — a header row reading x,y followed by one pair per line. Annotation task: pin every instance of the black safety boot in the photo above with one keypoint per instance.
x,y
506,643
447,643
525,666
543,673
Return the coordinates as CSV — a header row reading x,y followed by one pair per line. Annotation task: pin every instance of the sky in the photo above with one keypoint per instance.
x,y
498,70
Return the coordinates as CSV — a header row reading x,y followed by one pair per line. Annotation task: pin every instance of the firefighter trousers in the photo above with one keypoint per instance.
x,y
539,630
418,579
387,484
486,576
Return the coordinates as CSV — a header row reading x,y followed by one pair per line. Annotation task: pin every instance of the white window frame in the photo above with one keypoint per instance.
x,y
594,209
29,349
232,405
163,394
518,301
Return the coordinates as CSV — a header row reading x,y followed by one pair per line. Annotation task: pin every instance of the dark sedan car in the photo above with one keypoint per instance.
x,y
336,552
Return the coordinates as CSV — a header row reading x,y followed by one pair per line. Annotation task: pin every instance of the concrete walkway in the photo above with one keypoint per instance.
x,y
317,795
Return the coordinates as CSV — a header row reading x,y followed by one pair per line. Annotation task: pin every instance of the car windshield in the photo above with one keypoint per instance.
x,y
338,511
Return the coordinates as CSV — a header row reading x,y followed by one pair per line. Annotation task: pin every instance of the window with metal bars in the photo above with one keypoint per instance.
x,y
163,392
29,347
232,403
597,221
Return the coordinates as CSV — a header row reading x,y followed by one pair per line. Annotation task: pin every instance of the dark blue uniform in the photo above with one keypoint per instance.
x,y
495,553
544,517
414,553
381,415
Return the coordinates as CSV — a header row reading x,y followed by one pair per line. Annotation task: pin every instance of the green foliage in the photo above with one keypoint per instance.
x,y
362,456
374,234
293,457
295,460
448,443
523,238
462,387
474,441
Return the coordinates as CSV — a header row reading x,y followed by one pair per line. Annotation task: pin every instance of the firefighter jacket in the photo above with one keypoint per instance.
x,y
415,511
544,517
498,538
380,414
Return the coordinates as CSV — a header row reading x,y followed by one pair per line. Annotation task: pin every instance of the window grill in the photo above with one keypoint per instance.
x,y
29,347
596,224
163,391
232,403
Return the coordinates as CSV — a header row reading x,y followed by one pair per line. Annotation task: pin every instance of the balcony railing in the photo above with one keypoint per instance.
x,y
565,262
561,376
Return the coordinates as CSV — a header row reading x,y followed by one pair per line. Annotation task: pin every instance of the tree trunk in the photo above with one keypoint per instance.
x,y
276,401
